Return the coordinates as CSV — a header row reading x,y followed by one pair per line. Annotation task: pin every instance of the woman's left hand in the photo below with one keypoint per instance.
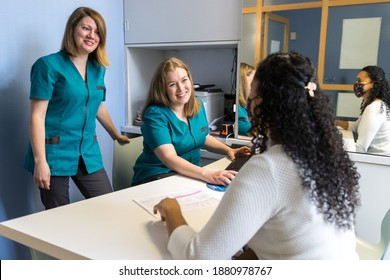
x,y
170,212
166,207
242,151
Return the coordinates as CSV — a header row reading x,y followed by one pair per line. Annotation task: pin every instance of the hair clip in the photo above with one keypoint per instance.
x,y
257,144
311,87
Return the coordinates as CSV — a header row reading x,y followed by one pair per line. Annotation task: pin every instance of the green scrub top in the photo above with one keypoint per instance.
x,y
161,126
244,124
70,121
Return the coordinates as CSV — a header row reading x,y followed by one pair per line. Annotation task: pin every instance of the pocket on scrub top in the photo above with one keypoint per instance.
x,y
53,140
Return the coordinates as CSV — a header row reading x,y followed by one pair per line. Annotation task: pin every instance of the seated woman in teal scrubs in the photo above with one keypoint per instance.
x,y
247,73
67,91
175,128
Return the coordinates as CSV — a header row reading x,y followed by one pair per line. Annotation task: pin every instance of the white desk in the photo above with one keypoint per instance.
x,y
107,227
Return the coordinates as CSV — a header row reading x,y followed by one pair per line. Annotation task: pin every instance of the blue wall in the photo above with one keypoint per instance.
x,y
30,29
306,24
336,15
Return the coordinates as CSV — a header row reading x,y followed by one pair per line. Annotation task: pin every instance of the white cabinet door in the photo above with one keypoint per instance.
x,y
164,21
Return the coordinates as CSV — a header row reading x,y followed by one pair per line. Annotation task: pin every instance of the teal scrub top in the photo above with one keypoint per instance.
x,y
71,114
244,124
161,126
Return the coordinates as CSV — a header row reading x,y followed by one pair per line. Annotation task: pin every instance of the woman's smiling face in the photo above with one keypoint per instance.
x,y
178,86
86,36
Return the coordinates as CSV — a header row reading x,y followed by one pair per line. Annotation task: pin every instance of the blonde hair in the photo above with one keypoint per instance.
x,y
68,43
245,70
158,94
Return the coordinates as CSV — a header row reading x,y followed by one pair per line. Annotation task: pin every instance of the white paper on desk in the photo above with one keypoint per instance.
x,y
190,200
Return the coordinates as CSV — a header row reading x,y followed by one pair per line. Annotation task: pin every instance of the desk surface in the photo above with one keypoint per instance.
x,y
107,227
111,226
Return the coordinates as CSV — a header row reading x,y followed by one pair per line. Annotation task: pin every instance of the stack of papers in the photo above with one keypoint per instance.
x,y
190,200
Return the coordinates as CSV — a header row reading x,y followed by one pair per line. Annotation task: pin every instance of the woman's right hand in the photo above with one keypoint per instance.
x,y
42,175
222,177
342,124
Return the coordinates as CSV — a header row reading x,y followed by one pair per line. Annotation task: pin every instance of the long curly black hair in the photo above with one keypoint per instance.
x,y
304,125
380,89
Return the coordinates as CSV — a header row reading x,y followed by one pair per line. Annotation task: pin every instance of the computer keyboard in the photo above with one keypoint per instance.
x,y
238,162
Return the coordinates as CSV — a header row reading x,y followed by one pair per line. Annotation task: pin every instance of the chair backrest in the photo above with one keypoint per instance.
x,y
385,235
125,156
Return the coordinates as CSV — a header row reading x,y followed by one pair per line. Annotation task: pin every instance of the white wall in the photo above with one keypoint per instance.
x,y
30,29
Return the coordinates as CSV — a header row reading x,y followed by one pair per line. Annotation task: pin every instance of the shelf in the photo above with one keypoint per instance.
x,y
131,129
187,45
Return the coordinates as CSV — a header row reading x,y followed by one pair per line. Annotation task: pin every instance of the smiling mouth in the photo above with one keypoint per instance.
x,y
89,43
181,95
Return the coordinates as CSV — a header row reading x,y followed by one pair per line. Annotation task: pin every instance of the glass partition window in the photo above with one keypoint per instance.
x,y
276,33
248,39
339,36
281,2
249,3
304,35
357,36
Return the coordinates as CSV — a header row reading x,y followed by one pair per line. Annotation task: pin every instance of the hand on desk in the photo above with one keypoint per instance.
x,y
222,177
242,151
170,212
342,124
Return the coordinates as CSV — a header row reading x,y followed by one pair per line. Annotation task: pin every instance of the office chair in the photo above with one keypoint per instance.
x,y
380,251
125,156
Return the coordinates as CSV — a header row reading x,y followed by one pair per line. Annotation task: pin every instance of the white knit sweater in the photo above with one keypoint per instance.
x,y
373,129
267,208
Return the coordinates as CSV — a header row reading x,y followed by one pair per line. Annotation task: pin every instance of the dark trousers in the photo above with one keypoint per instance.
x,y
90,185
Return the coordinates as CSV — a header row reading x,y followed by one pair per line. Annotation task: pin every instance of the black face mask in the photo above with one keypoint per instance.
x,y
358,89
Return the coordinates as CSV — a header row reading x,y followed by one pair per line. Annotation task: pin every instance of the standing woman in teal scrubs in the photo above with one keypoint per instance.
x,y
67,90
247,72
175,128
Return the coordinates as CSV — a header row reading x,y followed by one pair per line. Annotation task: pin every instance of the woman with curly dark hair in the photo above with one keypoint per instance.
x,y
296,199
373,125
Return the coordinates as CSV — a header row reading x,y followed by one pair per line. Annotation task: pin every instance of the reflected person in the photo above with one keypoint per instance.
x,y
246,76
373,125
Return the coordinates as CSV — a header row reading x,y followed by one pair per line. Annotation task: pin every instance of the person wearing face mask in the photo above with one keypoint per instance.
x,y
175,128
246,76
67,93
373,125
297,199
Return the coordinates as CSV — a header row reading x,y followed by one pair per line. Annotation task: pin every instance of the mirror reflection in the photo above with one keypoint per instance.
x,y
276,33
339,71
372,128
304,31
357,37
